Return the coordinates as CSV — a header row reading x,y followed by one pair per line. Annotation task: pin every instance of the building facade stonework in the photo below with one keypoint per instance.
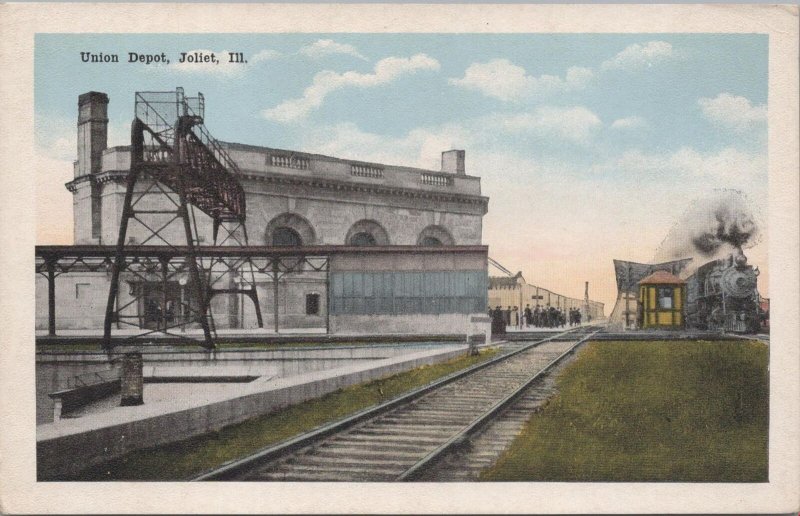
x,y
292,198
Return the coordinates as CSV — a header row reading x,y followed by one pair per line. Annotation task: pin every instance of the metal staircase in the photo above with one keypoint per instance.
x,y
177,168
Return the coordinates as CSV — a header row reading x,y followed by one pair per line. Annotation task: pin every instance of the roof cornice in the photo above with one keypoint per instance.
x,y
331,184
313,182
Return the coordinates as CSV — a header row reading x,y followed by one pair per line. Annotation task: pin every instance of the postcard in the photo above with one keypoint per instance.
x,y
393,258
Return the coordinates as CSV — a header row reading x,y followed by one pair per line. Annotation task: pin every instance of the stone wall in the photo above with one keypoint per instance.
x,y
441,324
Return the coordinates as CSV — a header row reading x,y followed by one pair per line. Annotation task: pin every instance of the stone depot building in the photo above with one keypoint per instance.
x,y
293,199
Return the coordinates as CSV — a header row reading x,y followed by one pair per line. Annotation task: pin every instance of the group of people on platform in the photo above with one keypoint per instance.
x,y
539,317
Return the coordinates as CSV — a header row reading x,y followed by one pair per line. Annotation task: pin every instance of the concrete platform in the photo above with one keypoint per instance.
x,y
70,445
534,330
57,370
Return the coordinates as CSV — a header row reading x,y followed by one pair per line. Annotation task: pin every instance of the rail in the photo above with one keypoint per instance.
x,y
418,469
231,469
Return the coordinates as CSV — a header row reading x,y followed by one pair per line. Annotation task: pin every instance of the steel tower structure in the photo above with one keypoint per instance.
x,y
177,169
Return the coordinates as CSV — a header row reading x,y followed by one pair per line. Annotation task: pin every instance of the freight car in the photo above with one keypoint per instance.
x,y
722,295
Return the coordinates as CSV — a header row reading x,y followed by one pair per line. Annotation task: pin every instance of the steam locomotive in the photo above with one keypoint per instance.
x,y
722,295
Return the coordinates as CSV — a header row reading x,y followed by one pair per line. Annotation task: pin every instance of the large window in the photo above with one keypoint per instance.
x,y
408,292
289,229
366,232
363,239
665,298
430,241
434,236
283,236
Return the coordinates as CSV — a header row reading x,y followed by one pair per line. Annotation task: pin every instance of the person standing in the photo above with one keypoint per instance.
x,y
498,321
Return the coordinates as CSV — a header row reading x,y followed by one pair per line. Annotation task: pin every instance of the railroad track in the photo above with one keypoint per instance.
x,y
402,439
486,446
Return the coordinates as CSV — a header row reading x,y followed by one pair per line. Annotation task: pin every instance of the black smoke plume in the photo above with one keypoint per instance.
x,y
732,227
712,226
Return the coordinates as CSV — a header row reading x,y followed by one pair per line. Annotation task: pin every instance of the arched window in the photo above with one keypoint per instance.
x,y
366,232
289,229
363,239
283,236
430,241
435,236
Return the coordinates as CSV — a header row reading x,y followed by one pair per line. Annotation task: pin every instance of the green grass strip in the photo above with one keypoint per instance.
x,y
650,411
312,344
188,458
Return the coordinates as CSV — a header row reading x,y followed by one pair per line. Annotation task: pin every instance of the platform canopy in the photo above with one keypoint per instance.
x,y
629,274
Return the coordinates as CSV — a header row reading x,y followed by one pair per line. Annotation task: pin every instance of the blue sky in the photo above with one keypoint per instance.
x,y
589,146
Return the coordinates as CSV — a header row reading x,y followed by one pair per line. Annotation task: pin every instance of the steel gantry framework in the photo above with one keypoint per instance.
x,y
155,262
159,264
177,168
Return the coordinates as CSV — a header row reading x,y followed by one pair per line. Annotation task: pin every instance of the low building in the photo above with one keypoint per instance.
x,y
662,298
624,315
513,292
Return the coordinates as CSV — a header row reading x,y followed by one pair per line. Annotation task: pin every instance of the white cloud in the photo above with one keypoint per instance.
x,y
325,82
264,55
420,147
502,79
221,67
638,56
57,137
576,124
729,163
326,47
733,112
729,166
630,122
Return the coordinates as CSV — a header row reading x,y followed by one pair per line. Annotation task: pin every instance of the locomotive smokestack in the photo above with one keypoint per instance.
x,y
739,259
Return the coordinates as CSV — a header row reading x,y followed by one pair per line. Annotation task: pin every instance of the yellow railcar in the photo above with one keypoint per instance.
x,y
662,301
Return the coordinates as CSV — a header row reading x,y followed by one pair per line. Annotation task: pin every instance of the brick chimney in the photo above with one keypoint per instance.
x,y
92,132
453,162
92,141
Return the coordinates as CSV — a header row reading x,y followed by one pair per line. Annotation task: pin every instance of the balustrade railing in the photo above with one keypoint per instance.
x,y
365,171
436,179
289,161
